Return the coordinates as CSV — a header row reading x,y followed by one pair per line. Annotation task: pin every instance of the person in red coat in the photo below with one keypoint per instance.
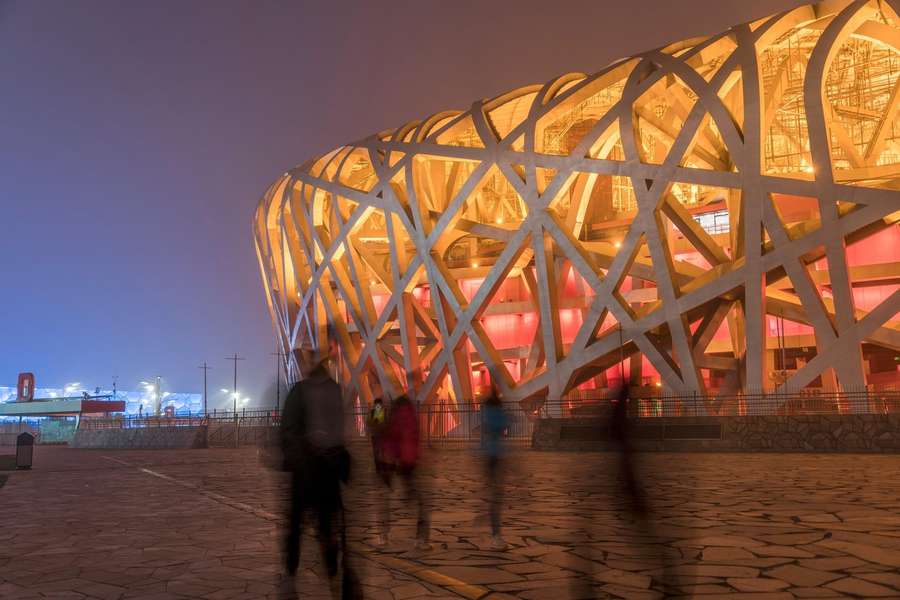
x,y
401,448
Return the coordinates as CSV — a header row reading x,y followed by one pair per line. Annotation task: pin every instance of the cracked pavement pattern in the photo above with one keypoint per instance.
x,y
205,524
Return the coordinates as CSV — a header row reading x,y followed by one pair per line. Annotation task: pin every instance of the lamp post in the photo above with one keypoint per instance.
x,y
279,356
235,360
205,368
157,399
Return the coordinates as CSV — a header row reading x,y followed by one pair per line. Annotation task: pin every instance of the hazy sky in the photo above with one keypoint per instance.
x,y
137,137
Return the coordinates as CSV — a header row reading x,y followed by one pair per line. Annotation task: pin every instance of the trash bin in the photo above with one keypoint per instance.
x,y
24,450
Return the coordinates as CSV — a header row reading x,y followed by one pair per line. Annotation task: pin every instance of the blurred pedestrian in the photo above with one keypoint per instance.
x,y
377,424
620,435
635,496
312,436
401,449
494,423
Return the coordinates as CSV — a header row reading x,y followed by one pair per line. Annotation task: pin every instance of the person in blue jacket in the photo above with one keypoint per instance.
x,y
494,424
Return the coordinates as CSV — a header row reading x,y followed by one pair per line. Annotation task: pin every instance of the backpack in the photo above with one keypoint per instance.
x,y
377,415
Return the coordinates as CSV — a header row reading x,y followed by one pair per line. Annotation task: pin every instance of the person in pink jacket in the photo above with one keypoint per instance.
x,y
401,449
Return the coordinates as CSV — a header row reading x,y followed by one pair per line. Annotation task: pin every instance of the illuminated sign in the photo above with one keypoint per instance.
x,y
25,387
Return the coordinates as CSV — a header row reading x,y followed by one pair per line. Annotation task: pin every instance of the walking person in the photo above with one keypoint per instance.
x,y
377,424
494,423
312,436
636,499
403,453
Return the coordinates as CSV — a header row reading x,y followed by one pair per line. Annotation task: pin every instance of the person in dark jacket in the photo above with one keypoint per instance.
x,y
620,435
401,449
628,476
312,437
494,423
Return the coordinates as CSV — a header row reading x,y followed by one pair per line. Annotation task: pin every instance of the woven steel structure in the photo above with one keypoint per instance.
x,y
715,216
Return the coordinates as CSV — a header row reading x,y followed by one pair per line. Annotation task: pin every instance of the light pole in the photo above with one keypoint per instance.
x,y
235,360
205,368
278,363
157,400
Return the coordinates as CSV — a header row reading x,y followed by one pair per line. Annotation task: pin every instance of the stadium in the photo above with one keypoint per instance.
x,y
715,217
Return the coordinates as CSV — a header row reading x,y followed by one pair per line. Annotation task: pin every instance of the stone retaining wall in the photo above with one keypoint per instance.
x,y
171,438
8,440
10,431
813,433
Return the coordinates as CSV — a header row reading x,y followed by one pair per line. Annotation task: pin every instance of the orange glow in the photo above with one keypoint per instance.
x,y
601,286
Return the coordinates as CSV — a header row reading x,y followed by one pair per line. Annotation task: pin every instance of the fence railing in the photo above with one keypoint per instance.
x,y
650,405
129,422
246,418
444,424
10,431
224,429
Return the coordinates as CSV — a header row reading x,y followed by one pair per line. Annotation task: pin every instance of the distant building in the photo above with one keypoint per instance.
x,y
183,403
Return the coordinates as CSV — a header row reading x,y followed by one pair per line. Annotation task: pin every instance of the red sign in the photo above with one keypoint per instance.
x,y
102,406
25,387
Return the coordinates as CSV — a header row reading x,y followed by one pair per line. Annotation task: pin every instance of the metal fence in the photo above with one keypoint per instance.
x,y
440,425
10,431
444,424
246,417
223,429
775,403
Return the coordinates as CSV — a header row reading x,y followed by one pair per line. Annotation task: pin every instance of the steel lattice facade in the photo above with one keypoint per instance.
x,y
717,215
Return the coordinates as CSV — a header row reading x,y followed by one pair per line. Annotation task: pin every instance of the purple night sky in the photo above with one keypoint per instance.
x,y
137,137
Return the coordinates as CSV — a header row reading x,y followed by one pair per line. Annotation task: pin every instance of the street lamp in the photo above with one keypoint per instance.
x,y
156,396
234,395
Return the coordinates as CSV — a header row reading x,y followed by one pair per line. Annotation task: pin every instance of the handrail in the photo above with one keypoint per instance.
x,y
441,420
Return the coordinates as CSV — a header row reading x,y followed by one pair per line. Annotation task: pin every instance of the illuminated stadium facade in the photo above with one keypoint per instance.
x,y
713,217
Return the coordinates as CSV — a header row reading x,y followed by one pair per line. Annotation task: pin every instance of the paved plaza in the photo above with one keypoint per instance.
x,y
205,524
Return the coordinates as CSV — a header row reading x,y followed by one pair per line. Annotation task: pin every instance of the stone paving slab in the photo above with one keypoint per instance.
x,y
205,524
